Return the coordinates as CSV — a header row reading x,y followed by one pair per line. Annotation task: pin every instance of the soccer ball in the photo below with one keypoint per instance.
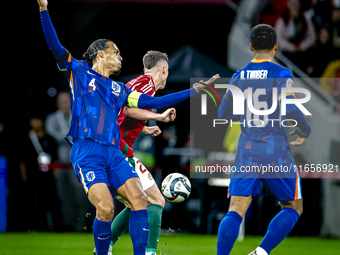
x,y
176,187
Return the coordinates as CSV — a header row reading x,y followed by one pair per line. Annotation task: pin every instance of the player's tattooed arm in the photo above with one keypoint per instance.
x,y
140,114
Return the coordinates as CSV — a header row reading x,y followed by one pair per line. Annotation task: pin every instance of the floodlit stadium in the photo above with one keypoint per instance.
x,y
171,127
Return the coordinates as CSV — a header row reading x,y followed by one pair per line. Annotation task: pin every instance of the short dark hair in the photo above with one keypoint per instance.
x,y
263,37
152,57
91,53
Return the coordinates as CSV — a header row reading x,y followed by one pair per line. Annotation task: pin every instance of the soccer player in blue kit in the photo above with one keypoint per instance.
x,y
265,145
96,101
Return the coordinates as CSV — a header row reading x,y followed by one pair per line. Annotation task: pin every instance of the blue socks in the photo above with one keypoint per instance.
x,y
228,232
139,231
102,236
279,228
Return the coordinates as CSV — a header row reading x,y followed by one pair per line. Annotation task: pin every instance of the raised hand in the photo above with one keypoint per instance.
x,y
42,5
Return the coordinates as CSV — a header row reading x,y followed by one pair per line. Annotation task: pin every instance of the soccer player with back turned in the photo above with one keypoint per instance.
x,y
265,145
96,101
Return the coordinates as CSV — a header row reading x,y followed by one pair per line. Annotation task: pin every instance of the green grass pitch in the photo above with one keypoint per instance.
x,y
181,244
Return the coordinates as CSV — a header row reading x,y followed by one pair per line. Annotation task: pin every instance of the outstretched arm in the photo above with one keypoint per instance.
x,y
59,52
145,101
140,114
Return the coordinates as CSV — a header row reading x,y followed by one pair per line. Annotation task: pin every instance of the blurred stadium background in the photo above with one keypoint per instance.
x,y
201,38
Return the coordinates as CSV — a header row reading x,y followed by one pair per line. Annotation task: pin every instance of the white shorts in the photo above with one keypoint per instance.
x,y
144,175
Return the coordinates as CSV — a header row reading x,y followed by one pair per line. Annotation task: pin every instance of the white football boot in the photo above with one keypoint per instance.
x,y
109,253
258,251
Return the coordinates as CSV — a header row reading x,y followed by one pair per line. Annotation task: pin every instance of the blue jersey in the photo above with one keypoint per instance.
x,y
95,99
95,103
263,138
264,142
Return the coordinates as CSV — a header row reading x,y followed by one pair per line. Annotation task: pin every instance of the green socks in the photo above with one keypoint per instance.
x,y
155,221
121,224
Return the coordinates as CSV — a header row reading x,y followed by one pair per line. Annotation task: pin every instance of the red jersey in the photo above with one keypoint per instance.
x,y
130,128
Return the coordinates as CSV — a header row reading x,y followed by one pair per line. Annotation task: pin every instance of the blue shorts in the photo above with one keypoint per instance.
x,y
284,189
97,163
278,174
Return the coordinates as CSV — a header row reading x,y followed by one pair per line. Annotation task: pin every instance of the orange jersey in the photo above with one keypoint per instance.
x,y
131,128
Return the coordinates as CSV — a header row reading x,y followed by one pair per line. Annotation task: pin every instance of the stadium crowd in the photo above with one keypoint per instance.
x,y
309,35
52,196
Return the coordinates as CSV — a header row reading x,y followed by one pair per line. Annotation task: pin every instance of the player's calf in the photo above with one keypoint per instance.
x,y
100,196
230,225
155,209
139,223
279,228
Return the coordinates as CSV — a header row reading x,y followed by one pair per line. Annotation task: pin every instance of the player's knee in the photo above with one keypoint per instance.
x,y
138,201
297,205
299,209
156,199
105,211
159,200
240,204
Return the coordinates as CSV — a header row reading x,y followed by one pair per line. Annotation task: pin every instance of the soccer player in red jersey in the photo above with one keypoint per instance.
x,y
154,78
155,75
